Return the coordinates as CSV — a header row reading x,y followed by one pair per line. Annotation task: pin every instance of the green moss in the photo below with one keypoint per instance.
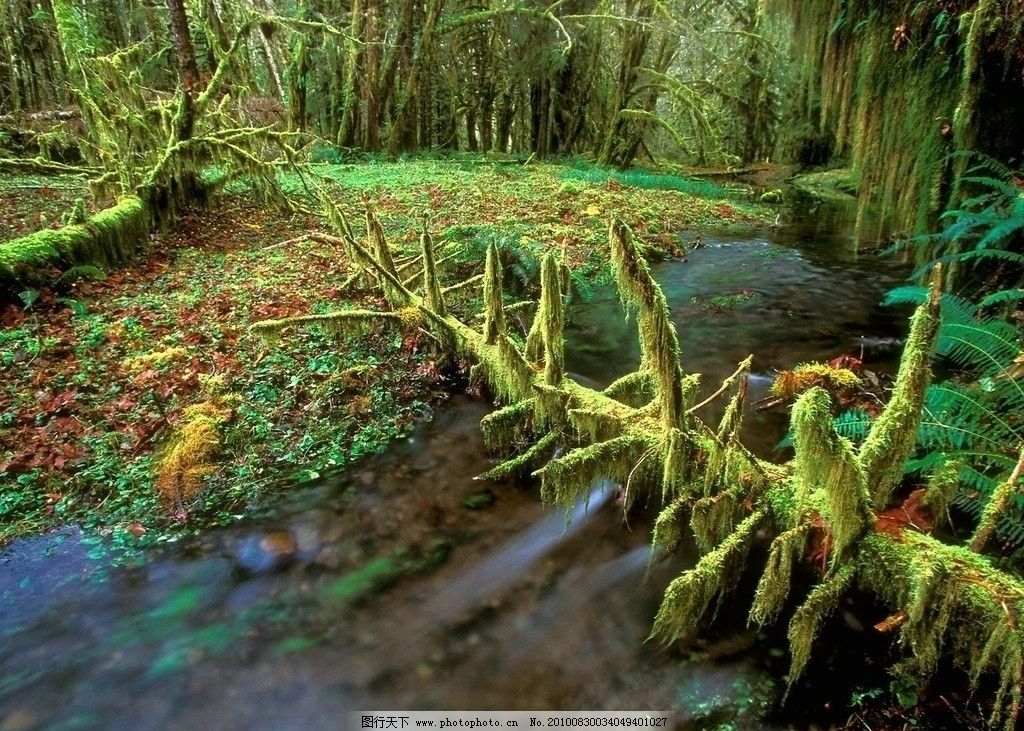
x,y
838,185
828,476
820,603
633,389
996,507
895,88
343,322
952,598
433,299
774,585
494,309
504,428
714,518
949,595
689,597
669,526
110,237
893,434
659,345
529,459
553,322
566,478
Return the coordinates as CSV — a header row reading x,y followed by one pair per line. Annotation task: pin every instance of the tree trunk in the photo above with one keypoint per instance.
x,y
188,69
349,93
471,143
506,113
372,55
404,128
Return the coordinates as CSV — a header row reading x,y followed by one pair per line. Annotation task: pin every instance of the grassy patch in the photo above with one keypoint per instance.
x,y
650,180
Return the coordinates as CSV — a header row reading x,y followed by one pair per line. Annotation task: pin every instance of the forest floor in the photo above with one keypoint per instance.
x,y
100,375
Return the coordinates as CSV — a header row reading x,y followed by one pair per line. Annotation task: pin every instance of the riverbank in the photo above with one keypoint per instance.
x,y
103,377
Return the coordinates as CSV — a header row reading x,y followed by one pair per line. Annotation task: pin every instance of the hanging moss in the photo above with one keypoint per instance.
x,y
827,474
929,609
820,603
669,526
943,482
718,473
714,518
540,451
594,426
689,597
504,428
506,370
959,599
566,478
774,585
895,88
1004,647
676,455
945,596
893,434
110,237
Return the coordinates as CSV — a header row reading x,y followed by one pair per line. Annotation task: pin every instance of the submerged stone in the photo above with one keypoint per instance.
x,y
270,552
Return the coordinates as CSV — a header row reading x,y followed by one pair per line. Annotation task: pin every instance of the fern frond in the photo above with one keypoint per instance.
x,y
1002,297
995,184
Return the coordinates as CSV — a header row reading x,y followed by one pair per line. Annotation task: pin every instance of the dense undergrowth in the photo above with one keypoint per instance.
x,y
101,376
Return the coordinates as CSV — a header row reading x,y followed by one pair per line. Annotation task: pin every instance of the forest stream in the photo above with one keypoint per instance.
x,y
407,584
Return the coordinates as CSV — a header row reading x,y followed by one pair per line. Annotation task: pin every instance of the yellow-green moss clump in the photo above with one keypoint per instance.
x,y
790,384
191,454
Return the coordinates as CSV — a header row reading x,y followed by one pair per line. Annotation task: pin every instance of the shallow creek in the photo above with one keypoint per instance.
x,y
400,585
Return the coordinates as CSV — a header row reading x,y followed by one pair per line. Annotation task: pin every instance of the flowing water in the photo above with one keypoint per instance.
x,y
384,589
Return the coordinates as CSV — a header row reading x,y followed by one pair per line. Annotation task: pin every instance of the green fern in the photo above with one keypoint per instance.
x,y
976,419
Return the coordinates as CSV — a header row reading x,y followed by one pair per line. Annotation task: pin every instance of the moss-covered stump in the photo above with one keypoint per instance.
x,y
109,237
645,432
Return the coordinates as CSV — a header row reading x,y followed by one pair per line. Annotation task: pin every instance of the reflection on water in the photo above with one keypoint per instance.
x,y
783,299
383,590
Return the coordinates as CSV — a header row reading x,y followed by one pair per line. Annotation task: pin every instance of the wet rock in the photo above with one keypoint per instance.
x,y
307,540
270,552
331,557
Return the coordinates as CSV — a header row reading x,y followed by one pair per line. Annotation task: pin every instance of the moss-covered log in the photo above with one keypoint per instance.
x,y
644,434
109,237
